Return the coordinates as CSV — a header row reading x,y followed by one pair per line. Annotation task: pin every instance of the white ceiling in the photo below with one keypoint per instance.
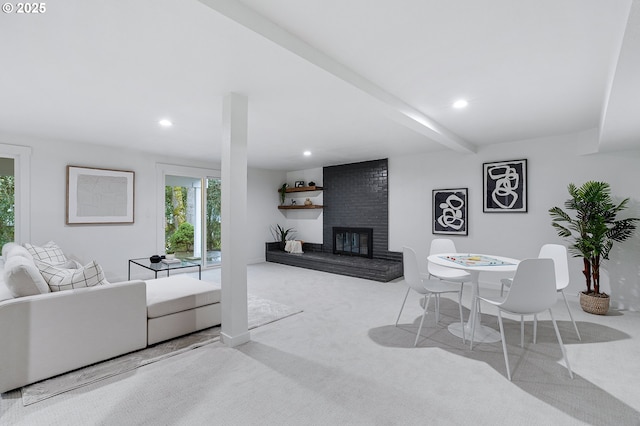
x,y
349,80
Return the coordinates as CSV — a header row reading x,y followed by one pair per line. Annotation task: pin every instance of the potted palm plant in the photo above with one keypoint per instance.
x,y
593,231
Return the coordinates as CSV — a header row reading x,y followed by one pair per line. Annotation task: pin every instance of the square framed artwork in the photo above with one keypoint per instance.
x,y
450,211
505,187
98,196
299,184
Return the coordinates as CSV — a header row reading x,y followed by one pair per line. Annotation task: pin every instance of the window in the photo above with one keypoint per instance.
x,y
7,200
14,193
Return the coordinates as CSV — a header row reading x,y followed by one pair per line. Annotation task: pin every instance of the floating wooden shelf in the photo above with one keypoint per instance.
x,y
296,207
303,189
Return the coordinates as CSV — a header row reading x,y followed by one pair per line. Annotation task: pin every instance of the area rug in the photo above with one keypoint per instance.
x,y
260,312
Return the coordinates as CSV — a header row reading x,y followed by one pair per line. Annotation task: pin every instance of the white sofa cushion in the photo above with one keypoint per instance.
x,y
22,278
60,278
49,253
178,293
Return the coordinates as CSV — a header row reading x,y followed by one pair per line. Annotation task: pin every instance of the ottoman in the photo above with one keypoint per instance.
x,y
179,305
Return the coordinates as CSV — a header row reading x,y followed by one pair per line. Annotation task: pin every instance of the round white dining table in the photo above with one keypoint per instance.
x,y
502,264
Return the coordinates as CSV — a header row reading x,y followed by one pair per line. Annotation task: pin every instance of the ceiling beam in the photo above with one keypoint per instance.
x,y
400,110
619,124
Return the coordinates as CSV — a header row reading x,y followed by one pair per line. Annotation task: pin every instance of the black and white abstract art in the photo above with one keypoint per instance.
x,y
450,211
505,186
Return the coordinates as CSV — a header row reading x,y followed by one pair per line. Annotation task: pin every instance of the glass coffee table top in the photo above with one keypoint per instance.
x,y
164,265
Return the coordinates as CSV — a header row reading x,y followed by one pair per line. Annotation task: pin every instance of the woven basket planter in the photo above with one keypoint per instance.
x,y
594,304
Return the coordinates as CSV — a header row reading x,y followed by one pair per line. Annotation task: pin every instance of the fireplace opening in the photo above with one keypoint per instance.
x,y
353,241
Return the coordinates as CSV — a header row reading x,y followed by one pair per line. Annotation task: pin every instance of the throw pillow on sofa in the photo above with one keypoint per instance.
x,y
60,278
22,278
49,253
8,246
18,251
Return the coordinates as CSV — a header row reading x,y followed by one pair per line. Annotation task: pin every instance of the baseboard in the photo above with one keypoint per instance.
x,y
233,341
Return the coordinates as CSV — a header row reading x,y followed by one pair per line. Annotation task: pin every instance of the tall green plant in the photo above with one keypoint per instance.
x,y
594,228
283,193
281,234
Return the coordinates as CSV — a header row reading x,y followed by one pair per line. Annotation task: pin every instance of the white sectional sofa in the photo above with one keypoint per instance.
x,y
44,333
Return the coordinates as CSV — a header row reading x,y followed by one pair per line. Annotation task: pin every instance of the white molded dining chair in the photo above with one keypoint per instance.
x,y
427,288
532,291
558,253
445,245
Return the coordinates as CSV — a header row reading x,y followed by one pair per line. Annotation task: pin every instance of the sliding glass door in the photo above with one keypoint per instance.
x,y
192,218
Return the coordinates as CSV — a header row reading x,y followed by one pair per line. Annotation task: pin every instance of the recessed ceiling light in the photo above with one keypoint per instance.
x,y
462,103
307,153
165,123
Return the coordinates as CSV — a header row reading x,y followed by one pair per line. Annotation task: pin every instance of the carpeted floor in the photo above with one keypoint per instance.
x,y
342,362
260,312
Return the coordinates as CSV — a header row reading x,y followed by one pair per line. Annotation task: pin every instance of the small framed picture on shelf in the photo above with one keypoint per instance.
x,y
299,184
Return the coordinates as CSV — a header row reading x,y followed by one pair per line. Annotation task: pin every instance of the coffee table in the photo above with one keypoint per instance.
x,y
161,266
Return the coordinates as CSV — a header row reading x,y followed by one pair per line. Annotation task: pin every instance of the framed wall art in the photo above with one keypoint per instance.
x,y
505,186
450,211
96,196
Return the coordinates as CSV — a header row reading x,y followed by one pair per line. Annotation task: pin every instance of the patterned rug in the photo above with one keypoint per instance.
x,y
260,312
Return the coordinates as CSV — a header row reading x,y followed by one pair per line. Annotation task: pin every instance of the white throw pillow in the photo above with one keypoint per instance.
x,y
60,279
22,278
19,251
49,253
8,246
71,264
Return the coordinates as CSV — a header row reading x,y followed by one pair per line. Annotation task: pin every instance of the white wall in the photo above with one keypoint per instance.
x,y
262,203
307,223
113,245
553,163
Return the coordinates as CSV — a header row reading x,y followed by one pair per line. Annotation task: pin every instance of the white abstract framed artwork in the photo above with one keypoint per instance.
x,y
505,186
450,211
99,196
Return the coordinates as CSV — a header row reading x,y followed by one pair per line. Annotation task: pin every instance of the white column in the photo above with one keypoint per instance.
x,y
235,329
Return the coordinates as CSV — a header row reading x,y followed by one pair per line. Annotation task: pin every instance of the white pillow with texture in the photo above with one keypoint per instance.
x,y
71,264
22,278
19,251
8,246
49,253
60,278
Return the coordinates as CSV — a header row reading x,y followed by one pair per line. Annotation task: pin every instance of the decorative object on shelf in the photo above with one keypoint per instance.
x,y
308,202
293,202
593,231
99,195
283,193
299,184
505,186
282,235
450,211
155,258
312,183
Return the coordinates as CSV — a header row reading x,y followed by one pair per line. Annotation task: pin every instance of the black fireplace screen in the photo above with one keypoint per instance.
x,y
353,241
